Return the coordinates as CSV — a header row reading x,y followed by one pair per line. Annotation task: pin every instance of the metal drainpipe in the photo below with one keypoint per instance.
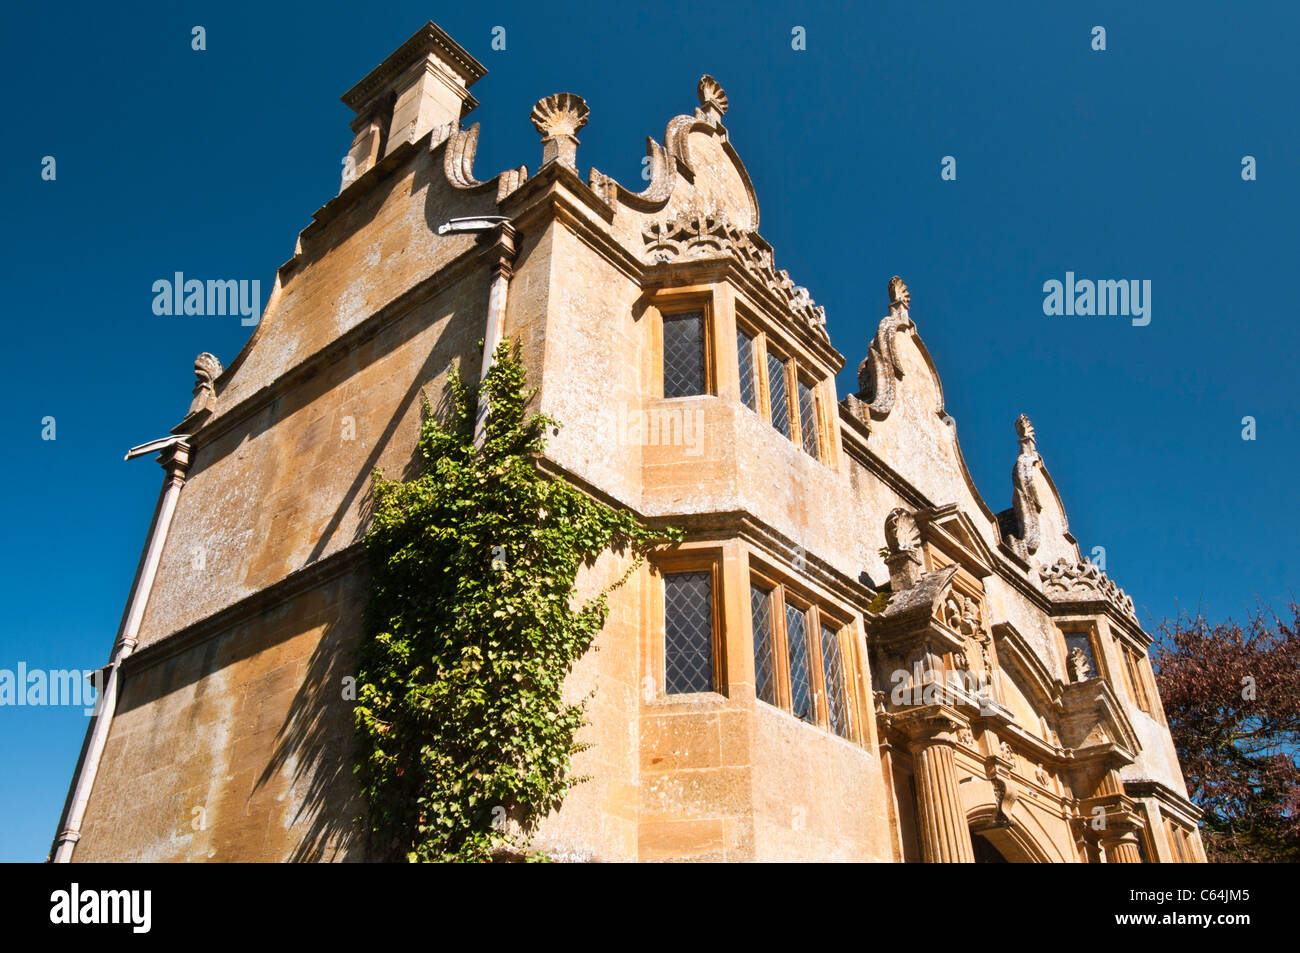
x,y
175,459
503,240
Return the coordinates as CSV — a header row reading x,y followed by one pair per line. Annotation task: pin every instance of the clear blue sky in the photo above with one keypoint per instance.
x,y
1117,164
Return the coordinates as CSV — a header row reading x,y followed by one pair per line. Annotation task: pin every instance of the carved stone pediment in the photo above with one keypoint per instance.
x,y
1035,679
951,531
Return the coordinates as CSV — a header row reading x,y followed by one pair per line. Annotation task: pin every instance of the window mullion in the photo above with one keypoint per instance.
x,y
792,398
817,669
781,662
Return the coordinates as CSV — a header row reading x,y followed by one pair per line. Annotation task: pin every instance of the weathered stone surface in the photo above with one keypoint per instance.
x,y
233,705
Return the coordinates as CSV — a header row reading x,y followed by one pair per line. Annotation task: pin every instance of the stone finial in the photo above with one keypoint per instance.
x,y
1025,431
881,369
901,532
206,370
900,299
903,542
713,99
1024,495
557,119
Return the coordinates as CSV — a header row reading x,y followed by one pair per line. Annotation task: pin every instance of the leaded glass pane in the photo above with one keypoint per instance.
x,y
796,633
833,668
745,360
683,354
760,602
776,391
688,633
808,418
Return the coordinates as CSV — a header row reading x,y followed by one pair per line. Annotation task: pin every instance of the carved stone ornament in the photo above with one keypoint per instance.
x,y
696,234
458,159
1080,668
902,535
881,368
206,370
966,737
903,549
557,119
1005,797
900,299
1064,581
1024,496
713,100
962,614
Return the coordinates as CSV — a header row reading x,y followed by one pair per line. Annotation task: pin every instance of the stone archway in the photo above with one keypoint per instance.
x,y
1009,844
1005,836
985,852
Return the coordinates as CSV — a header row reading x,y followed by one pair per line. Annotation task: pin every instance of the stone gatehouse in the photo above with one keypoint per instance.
x,y
852,657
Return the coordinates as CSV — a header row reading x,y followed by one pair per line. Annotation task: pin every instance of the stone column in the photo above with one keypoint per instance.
x,y
941,822
1120,844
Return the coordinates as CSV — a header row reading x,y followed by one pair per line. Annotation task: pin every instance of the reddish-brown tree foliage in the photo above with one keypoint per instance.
x,y
1232,697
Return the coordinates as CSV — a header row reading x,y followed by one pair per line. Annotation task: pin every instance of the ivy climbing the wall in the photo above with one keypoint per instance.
x,y
472,625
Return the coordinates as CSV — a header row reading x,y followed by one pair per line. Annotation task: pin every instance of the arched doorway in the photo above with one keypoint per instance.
x,y
985,852
1011,843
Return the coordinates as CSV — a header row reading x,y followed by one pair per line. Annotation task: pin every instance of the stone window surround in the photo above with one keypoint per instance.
x,y
684,301
1169,835
725,311
734,567
1137,676
796,370
1120,660
1180,841
784,589
1094,640
694,560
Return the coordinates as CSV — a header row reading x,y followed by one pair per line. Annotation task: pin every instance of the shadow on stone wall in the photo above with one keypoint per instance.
x,y
317,740
315,745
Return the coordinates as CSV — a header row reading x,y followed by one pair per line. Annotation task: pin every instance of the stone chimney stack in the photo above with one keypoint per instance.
x,y
423,85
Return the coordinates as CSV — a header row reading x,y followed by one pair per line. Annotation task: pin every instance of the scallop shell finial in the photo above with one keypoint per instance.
x,y
560,114
712,96
899,296
557,119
